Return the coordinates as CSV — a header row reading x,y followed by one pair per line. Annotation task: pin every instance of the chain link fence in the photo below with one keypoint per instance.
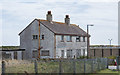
x,y
55,66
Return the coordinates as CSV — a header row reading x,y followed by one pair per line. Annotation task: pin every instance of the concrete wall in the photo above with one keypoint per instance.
x,y
69,45
29,44
26,40
106,52
48,42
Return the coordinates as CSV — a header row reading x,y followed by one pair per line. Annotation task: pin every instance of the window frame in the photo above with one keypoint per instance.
x,y
34,37
45,51
78,39
84,40
69,38
62,38
42,37
62,53
33,55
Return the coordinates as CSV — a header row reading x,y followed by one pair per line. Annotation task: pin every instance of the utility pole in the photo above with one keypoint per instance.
x,y
88,39
110,46
39,41
110,41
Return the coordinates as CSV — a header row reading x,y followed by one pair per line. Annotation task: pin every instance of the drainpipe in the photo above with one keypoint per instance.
x,y
39,41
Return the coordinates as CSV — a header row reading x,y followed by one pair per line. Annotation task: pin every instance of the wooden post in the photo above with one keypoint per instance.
x,y
3,67
35,67
74,66
60,67
54,46
92,66
117,63
84,65
39,40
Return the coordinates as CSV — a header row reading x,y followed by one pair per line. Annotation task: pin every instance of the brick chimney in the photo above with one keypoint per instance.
x,y
49,16
67,20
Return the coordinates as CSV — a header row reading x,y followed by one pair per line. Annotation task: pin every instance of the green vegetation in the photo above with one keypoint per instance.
x,y
15,66
111,57
108,71
9,47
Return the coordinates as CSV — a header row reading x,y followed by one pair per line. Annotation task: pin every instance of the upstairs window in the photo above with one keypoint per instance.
x,y
69,38
78,39
42,37
62,37
35,36
83,38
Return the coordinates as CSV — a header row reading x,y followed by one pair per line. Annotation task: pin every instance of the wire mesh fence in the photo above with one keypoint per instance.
x,y
55,66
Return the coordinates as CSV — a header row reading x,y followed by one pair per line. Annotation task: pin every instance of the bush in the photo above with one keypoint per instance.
x,y
111,57
82,57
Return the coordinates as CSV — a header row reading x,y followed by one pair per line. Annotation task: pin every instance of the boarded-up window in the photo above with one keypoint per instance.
x,y
78,53
45,53
62,53
35,54
69,53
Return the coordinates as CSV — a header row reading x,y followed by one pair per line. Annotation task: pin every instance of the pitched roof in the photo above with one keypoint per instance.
x,y
61,28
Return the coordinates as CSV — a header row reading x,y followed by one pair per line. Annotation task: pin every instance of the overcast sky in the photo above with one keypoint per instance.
x,y
16,15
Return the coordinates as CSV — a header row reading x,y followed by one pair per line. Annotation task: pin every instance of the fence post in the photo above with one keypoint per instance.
x,y
35,67
74,67
60,67
84,65
92,66
107,62
98,64
117,59
3,67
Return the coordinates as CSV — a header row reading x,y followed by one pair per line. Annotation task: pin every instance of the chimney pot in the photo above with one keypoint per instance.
x,y
49,16
67,20
49,12
67,16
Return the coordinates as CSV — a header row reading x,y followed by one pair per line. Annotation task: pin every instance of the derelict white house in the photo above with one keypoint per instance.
x,y
51,39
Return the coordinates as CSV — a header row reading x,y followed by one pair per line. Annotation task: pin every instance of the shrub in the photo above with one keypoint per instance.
x,y
111,57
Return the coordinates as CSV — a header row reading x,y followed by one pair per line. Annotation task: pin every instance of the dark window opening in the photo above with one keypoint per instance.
x,y
83,38
35,36
62,53
45,53
62,38
42,37
78,39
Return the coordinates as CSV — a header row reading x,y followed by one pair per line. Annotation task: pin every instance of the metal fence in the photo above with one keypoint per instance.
x,y
55,66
